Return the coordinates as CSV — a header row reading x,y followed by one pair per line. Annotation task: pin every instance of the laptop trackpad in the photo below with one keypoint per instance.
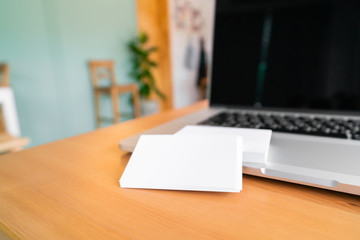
x,y
317,153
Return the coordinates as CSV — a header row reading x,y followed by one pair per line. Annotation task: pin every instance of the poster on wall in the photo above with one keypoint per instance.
x,y
191,31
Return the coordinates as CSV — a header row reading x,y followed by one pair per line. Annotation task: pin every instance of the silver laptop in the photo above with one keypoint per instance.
x,y
293,67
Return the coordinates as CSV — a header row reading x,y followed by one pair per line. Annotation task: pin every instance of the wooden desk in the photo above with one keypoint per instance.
x,y
69,190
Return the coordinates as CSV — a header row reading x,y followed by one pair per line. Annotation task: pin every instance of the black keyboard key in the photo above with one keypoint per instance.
x,y
338,128
356,136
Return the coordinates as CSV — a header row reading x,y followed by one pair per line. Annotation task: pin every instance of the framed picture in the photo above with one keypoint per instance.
x,y
9,113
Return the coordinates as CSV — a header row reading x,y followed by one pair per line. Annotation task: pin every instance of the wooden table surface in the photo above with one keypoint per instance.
x,y
69,189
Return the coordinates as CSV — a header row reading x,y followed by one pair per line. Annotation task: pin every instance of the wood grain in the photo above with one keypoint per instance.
x,y
69,190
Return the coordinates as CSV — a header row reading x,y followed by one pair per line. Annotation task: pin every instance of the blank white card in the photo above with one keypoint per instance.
x,y
186,162
256,142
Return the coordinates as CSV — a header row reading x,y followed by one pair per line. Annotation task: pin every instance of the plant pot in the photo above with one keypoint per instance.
x,y
149,107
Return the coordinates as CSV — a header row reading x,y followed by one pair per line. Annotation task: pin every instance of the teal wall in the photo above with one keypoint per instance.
x,y
47,44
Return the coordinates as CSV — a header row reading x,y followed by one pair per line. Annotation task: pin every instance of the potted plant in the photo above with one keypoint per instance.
x,y
141,71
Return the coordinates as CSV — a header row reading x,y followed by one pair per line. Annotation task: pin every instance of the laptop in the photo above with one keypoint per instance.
x,y
293,67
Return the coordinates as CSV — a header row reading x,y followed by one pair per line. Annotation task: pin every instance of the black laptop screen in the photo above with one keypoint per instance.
x,y
287,54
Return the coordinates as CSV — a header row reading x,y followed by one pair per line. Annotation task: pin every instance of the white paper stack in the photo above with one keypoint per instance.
x,y
186,162
256,142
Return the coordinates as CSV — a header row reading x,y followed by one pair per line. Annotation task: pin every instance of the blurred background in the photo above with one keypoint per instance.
x,y
70,66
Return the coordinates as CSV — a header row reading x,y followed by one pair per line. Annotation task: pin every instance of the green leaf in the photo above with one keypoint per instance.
x,y
144,74
135,63
147,73
153,64
132,45
152,49
151,79
154,88
134,49
135,75
145,90
143,38
159,93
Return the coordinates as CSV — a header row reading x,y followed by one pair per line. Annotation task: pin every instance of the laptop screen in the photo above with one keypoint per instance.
x,y
287,54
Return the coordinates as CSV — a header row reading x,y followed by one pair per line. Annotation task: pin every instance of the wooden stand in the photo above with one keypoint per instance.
x,y
8,143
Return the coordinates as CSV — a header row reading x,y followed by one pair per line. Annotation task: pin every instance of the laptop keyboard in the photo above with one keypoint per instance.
x,y
328,127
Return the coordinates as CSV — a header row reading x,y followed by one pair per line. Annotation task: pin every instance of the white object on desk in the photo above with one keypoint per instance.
x,y
184,162
256,142
7,103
